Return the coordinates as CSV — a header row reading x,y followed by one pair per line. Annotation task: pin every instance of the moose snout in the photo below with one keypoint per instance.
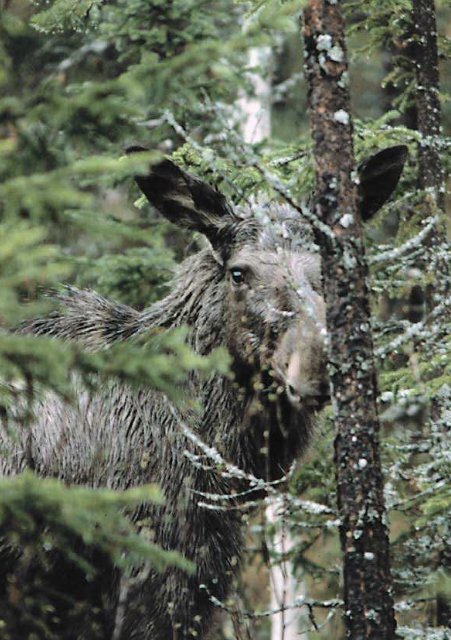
x,y
310,388
300,367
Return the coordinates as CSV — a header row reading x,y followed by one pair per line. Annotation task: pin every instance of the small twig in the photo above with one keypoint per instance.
x,y
124,587
392,255
296,604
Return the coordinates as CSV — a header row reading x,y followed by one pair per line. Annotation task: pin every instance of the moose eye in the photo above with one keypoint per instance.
x,y
238,275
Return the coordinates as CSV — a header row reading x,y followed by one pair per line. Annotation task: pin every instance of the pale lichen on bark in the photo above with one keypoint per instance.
x,y
369,612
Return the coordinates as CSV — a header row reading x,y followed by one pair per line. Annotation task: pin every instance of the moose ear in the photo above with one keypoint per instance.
x,y
184,199
379,175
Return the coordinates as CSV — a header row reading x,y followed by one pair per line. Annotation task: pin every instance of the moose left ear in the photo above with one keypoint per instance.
x,y
379,175
184,199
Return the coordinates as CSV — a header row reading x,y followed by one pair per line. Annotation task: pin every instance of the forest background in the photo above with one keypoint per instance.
x,y
79,82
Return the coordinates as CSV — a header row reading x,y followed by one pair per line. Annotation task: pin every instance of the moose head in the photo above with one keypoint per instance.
x,y
267,273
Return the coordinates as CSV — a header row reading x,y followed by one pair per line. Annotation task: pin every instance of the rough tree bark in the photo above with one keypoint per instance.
x,y
369,610
430,175
429,123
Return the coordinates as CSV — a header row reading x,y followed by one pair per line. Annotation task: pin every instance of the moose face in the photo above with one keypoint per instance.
x,y
275,318
274,314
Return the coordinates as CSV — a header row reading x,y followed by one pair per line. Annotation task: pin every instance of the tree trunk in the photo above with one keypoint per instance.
x,y
427,99
256,110
398,53
368,600
431,177
283,585
430,169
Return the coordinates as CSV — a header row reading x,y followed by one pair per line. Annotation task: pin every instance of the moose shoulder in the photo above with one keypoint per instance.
x,y
255,290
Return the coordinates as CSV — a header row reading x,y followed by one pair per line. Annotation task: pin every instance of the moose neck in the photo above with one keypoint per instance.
x,y
197,300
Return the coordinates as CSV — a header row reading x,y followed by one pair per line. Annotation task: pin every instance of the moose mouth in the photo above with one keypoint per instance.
x,y
312,396
271,384
317,401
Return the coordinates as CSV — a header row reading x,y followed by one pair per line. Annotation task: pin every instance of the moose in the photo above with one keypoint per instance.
x,y
255,290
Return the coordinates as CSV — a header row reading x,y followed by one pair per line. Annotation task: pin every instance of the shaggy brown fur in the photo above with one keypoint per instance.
x,y
257,292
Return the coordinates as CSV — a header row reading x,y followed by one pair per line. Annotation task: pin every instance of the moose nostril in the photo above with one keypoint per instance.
x,y
291,390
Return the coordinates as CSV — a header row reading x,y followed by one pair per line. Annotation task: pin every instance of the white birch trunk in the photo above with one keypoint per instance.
x,y
284,587
256,110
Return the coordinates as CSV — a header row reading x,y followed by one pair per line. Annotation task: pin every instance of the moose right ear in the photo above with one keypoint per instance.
x,y
184,199
379,174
